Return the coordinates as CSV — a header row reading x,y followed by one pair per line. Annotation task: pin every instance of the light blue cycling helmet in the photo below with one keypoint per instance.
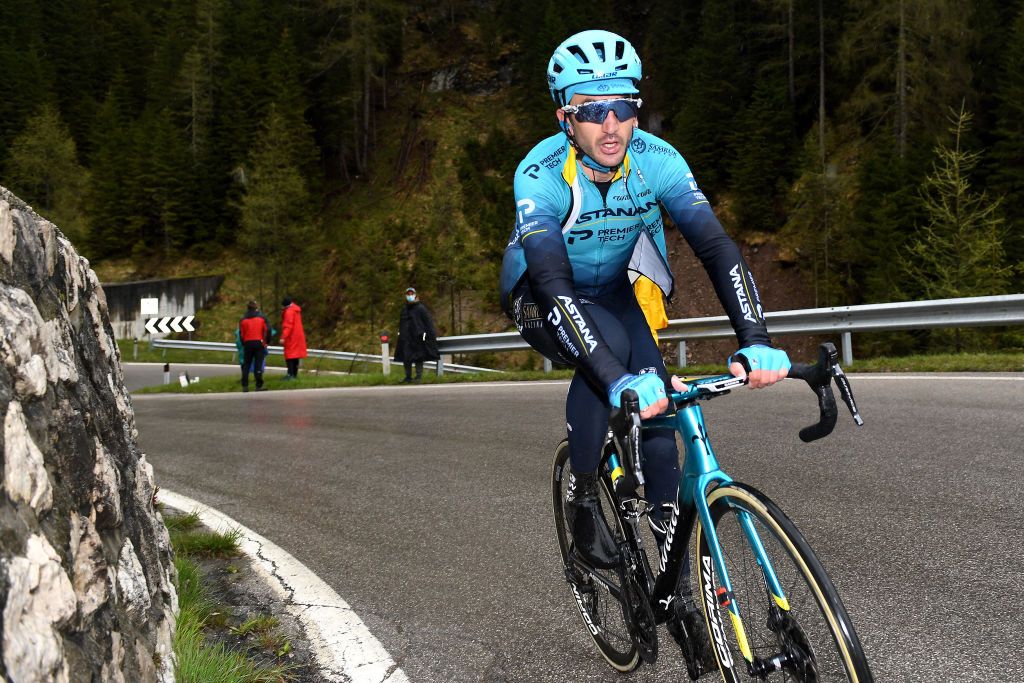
x,y
593,62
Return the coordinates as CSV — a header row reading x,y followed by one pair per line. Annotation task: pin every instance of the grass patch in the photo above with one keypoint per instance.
x,y
197,660
263,629
944,362
206,543
182,523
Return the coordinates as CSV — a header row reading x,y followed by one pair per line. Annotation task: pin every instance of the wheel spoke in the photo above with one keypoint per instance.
x,y
798,644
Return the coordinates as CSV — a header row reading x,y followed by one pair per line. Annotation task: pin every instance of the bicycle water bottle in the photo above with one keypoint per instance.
x,y
616,472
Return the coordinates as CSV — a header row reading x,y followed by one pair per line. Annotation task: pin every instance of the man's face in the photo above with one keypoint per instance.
x,y
605,142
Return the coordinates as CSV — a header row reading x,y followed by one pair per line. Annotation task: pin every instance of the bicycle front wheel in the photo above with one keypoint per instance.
x,y
603,614
804,634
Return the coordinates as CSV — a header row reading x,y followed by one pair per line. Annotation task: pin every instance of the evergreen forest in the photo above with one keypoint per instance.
x,y
338,150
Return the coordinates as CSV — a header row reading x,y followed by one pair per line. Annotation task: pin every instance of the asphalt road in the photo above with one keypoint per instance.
x,y
427,509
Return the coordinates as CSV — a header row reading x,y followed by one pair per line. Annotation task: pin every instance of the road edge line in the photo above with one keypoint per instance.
x,y
343,646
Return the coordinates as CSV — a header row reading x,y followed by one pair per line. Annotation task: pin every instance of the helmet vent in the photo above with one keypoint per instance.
x,y
557,68
599,49
578,53
620,49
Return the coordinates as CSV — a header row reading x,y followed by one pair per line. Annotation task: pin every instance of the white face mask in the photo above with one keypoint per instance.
x,y
410,298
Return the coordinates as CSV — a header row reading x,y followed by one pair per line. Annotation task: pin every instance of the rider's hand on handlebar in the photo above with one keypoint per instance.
x,y
649,388
767,365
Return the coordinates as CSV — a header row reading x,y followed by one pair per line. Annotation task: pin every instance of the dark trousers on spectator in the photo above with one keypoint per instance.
x,y
293,366
253,352
408,369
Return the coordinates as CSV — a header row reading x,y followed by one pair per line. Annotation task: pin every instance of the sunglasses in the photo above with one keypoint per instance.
x,y
596,111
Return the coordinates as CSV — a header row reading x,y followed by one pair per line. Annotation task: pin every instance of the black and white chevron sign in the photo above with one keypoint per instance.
x,y
181,323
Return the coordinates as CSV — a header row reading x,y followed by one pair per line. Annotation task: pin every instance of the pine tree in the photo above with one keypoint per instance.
x,y
910,59
1008,150
276,212
116,217
761,149
43,169
958,251
701,127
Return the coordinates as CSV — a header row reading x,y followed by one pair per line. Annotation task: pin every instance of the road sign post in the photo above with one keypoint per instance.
x,y
385,352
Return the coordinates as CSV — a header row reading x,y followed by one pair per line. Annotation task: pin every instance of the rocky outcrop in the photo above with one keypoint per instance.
x,y
86,571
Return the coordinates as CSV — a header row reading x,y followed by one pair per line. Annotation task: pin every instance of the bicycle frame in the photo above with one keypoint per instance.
x,y
701,472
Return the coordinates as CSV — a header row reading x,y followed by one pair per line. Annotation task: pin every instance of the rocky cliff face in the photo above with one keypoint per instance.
x,y
86,570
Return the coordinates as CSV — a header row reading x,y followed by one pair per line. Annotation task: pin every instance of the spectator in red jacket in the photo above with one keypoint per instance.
x,y
293,338
254,331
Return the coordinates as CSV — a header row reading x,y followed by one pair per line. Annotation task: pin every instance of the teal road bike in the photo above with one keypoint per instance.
x,y
769,610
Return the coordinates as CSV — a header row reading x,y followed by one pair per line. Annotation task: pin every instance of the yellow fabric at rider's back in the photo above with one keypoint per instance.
x,y
652,302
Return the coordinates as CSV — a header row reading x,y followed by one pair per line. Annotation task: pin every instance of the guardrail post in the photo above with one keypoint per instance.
x,y
135,348
682,354
847,346
440,364
547,364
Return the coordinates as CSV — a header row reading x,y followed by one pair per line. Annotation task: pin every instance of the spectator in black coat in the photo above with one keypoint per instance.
x,y
417,337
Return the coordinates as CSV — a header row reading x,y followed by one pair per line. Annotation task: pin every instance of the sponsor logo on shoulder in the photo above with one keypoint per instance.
x,y
526,207
638,145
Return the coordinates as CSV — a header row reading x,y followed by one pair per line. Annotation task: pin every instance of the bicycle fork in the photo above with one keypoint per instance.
x,y
702,474
714,572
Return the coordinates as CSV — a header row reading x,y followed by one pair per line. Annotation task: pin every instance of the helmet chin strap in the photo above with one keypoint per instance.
x,y
585,158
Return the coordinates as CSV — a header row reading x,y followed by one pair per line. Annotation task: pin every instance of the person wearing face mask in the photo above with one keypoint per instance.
x,y
417,337
589,202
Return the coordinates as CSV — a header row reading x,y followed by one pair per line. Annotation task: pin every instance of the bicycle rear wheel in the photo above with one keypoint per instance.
x,y
603,614
808,636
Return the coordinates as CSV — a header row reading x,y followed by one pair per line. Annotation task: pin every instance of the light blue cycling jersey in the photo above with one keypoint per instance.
x,y
605,236
577,245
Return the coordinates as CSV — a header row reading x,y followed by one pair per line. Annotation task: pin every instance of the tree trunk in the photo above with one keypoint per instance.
x,y
792,68
821,84
901,86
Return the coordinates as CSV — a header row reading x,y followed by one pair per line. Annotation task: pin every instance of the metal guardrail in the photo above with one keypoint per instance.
x,y
964,312
979,311
313,353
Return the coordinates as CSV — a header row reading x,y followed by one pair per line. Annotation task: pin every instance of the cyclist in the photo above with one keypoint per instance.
x,y
588,220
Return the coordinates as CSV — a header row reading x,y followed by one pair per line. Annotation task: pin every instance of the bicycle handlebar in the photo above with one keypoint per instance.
x,y
819,377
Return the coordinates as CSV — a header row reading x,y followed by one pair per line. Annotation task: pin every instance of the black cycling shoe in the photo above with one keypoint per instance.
x,y
686,625
590,533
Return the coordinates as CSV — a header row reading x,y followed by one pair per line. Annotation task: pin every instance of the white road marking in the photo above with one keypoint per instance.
x,y
345,649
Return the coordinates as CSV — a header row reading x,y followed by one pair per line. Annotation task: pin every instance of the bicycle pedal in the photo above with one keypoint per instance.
x,y
634,508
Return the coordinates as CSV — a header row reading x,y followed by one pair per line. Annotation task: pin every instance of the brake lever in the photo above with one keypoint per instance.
x,y
846,392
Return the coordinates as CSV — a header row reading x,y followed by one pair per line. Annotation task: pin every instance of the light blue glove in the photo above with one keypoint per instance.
x,y
760,357
648,387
